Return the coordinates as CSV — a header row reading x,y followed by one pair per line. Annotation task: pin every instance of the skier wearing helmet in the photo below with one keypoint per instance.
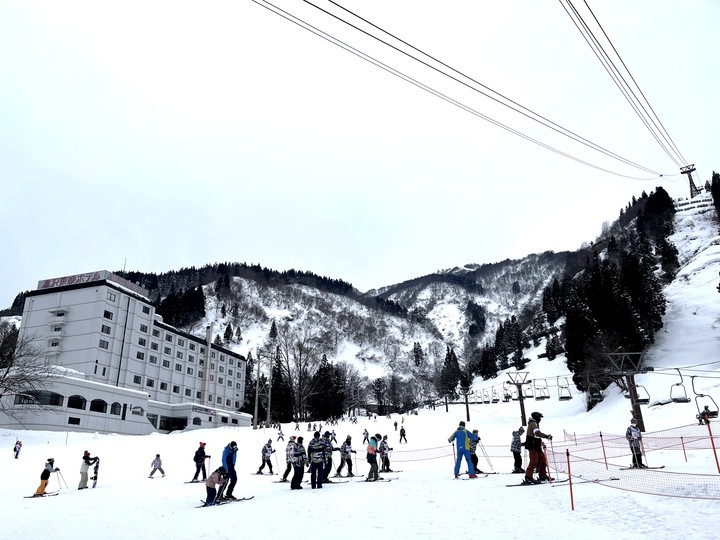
x,y
217,478
289,454
266,453
533,443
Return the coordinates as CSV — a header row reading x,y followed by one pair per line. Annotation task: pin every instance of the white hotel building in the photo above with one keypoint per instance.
x,y
122,369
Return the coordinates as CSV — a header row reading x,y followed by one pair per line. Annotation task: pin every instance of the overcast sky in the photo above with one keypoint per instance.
x,y
160,135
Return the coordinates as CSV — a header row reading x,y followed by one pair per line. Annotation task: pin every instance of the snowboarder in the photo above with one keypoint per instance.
x,y
516,449
533,443
634,438
385,455
17,448
299,462
266,453
228,463
462,441
45,476
371,458
199,460
84,467
156,464
217,478
402,435
289,455
316,455
345,458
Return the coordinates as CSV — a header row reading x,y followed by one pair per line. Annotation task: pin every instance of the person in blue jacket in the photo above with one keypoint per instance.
x,y
228,462
462,438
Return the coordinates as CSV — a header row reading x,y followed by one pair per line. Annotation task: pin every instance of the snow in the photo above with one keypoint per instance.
x,y
425,500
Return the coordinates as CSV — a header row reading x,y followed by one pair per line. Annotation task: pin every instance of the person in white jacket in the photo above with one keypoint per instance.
x,y
156,464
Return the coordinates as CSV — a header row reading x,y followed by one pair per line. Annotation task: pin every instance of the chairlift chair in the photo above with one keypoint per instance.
x,y
495,396
643,397
710,408
541,390
678,394
486,396
564,393
595,395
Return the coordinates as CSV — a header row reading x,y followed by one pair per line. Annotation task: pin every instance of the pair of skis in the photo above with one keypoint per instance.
x,y
222,502
48,494
640,468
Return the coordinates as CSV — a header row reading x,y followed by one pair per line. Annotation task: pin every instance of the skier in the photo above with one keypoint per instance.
x,y
299,462
199,460
316,455
634,438
156,464
395,425
402,435
385,455
333,436
87,461
297,426
281,437
327,456
228,463
17,448
217,478
462,440
516,449
371,458
345,458
45,477
365,437
289,455
473,451
533,443
266,453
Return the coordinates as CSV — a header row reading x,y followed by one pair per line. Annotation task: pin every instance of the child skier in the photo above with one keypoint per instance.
x,y
516,449
156,464
217,478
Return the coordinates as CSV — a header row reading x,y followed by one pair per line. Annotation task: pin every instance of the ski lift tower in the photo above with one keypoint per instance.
x,y
689,169
627,365
518,378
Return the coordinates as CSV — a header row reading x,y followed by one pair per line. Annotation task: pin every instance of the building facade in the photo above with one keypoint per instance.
x,y
123,369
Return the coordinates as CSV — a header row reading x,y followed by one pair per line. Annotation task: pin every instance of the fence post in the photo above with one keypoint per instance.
x,y
682,442
712,442
602,443
572,498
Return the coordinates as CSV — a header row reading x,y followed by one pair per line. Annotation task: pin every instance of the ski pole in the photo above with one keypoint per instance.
x,y
487,458
63,480
276,462
552,449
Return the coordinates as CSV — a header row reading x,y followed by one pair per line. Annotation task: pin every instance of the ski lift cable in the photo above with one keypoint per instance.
x,y
337,42
513,105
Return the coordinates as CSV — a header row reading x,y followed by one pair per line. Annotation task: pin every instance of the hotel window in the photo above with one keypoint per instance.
x,y
181,342
188,392
167,350
202,350
212,354
179,355
144,328
104,344
146,310
230,372
166,363
222,369
111,296
57,329
105,329
140,355
108,315
55,343
142,342
222,357
198,395
154,346
178,367
168,338
156,333
163,386
150,383
219,400
176,389
189,371
220,380
152,359
192,346
191,358
200,374
227,403
137,379
238,386
229,383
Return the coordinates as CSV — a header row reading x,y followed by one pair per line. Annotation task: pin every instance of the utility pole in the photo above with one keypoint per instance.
x,y
627,365
518,379
257,388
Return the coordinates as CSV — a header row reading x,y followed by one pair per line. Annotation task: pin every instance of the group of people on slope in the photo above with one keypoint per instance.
x,y
49,467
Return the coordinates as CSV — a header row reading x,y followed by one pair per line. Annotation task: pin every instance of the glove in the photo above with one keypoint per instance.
x,y
57,469
549,437
273,451
354,452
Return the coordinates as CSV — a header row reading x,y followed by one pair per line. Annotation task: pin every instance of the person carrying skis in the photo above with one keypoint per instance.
x,y
385,450
199,460
533,443
156,464
316,455
327,456
473,451
462,441
45,477
345,457
634,438
84,468
299,462
217,478
289,455
402,435
228,463
371,458
266,453
516,449
17,448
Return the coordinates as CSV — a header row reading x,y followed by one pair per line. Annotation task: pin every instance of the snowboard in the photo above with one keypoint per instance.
x,y
95,472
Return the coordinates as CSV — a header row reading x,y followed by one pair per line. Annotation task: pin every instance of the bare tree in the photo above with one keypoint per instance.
x,y
25,373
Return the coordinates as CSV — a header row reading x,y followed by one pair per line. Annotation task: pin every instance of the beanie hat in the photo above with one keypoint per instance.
x,y
293,437
462,422
202,444
633,421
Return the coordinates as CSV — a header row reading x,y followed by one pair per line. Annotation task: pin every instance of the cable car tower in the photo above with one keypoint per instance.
x,y
689,169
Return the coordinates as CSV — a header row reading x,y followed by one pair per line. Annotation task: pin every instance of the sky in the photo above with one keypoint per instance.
x,y
156,136
423,499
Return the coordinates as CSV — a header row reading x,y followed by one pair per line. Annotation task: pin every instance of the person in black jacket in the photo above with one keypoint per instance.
x,y
199,460
45,477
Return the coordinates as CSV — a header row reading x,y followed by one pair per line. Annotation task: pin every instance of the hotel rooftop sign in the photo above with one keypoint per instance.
x,y
88,277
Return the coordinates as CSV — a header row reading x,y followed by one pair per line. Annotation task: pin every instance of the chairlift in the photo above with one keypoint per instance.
x,y
527,391
486,396
495,396
678,394
564,389
710,408
643,397
595,394
507,392
541,390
